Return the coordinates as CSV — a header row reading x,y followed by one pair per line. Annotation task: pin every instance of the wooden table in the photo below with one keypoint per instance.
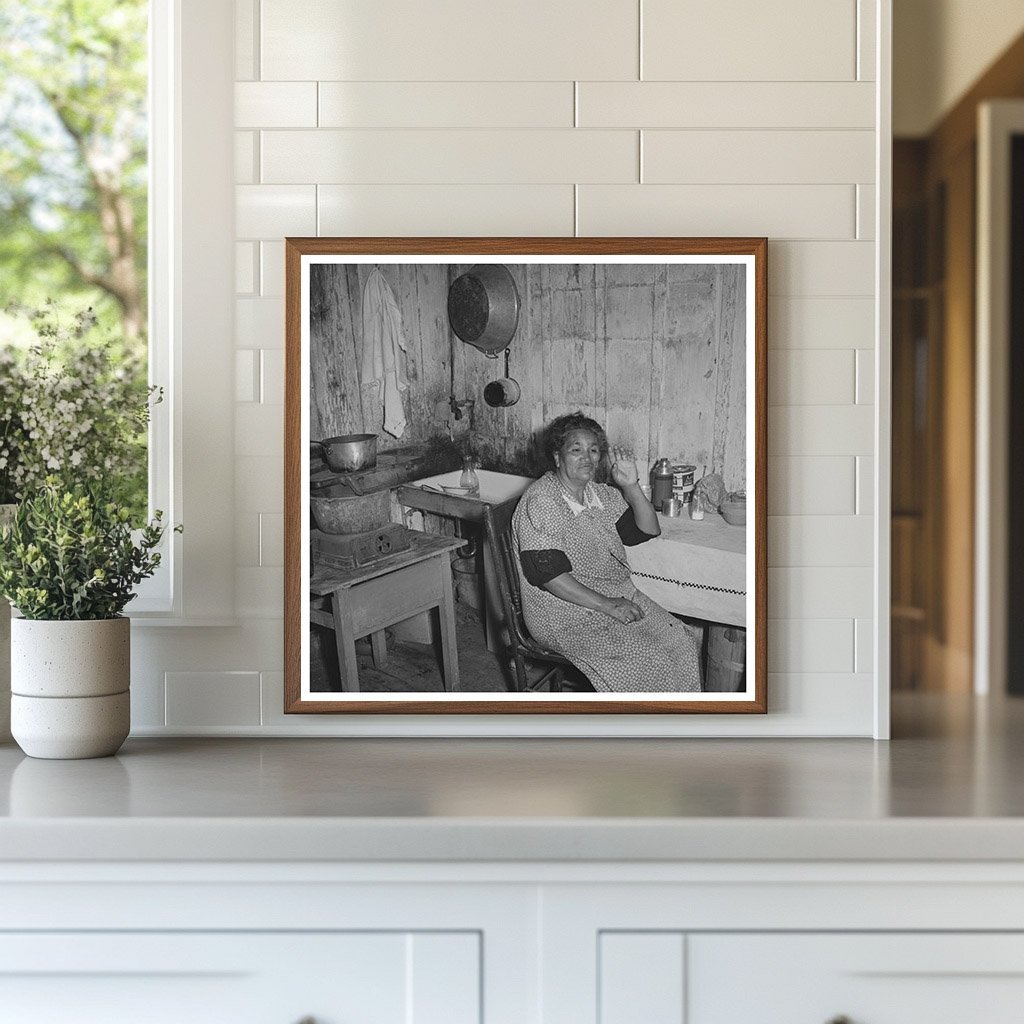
x,y
709,553
367,599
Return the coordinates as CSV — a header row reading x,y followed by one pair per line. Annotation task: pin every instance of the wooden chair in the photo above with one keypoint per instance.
x,y
519,645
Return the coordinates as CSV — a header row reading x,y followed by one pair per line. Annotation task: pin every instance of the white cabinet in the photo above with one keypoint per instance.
x,y
511,943
866,978
905,978
241,978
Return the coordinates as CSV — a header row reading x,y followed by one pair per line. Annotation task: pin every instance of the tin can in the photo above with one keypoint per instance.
x,y
682,475
671,507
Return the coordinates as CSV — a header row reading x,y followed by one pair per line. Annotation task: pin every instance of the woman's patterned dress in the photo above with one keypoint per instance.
x,y
555,531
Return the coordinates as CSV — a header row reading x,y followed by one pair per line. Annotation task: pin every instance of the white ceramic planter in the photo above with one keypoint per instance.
x,y
69,684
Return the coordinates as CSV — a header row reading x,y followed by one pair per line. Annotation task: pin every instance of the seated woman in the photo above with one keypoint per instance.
x,y
578,597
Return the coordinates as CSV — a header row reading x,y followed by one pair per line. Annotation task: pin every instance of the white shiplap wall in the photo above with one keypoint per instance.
x,y
551,117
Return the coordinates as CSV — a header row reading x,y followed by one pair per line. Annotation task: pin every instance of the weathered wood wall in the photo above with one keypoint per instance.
x,y
655,352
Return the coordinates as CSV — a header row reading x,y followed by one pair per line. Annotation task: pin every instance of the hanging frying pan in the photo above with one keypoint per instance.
x,y
483,307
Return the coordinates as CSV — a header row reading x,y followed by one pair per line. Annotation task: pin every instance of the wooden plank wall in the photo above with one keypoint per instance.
x,y
654,352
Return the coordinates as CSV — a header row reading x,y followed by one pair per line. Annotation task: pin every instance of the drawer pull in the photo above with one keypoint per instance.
x,y
841,1019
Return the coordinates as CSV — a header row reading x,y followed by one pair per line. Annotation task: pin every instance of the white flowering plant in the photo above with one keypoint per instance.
x,y
73,408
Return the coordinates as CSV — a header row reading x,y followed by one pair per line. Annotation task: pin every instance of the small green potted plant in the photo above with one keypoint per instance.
x,y
74,403
69,563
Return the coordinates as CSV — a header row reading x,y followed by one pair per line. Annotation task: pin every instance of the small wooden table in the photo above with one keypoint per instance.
x,y
367,599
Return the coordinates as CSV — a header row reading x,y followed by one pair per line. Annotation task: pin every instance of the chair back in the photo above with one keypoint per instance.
x,y
502,544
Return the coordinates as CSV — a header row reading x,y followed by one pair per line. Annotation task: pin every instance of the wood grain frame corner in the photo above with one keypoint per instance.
x,y
298,248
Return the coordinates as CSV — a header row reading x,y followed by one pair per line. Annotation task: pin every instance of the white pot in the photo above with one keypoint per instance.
x,y
69,683
6,516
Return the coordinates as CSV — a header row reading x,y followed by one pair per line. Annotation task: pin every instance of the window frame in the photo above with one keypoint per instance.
x,y
191,300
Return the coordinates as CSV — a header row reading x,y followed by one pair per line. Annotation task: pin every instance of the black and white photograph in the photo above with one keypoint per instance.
x,y
525,475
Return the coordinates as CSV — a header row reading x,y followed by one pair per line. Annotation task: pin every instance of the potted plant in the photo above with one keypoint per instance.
x,y
69,563
73,405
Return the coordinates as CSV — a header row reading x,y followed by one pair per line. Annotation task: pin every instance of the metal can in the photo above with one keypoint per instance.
x,y
682,475
671,507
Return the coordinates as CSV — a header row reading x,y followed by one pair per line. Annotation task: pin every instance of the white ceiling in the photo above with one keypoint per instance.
x,y
940,48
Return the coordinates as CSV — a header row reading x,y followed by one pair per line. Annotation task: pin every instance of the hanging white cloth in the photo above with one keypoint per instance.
x,y
382,362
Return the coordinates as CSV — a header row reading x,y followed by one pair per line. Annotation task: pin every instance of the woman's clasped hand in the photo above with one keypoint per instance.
x,y
623,610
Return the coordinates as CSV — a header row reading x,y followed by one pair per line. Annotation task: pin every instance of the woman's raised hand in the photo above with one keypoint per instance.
x,y
624,472
623,610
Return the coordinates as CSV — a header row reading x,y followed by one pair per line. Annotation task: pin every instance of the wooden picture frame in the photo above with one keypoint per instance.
x,y
588,296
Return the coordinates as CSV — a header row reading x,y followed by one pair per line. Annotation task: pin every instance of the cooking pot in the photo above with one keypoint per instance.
x,y
348,453
338,511
483,307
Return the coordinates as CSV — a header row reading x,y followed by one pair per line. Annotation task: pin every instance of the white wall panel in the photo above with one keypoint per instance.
x,y
446,105
757,157
247,362
446,209
271,211
827,592
775,211
821,430
864,645
260,591
821,323
271,269
811,486
811,645
246,171
275,105
205,699
736,40
247,538
259,323
865,485
865,376
831,703
245,268
441,157
259,485
820,539
272,376
726,105
449,40
454,118
246,44
866,211
811,376
271,539
867,26
821,268
259,429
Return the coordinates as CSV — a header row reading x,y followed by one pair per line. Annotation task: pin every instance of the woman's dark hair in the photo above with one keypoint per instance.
x,y
560,428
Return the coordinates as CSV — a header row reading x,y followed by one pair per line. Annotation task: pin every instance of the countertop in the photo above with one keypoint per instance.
x,y
948,787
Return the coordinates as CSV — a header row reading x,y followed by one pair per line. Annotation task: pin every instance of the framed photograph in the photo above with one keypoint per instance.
x,y
525,475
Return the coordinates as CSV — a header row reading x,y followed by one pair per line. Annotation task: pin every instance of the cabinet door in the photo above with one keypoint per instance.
x,y
862,978
242,978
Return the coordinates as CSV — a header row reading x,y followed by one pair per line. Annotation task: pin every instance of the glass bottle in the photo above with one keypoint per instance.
x,y
469,477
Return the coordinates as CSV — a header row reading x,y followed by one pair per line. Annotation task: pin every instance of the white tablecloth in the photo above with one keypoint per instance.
x,y
701,555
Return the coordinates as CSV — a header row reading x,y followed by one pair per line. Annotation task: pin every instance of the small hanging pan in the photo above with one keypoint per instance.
x,y
502,392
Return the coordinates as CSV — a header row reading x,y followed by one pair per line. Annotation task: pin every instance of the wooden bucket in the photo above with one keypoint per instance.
x,y
727,659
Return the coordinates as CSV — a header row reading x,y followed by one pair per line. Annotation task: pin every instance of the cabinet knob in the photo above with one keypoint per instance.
x,y
841,1019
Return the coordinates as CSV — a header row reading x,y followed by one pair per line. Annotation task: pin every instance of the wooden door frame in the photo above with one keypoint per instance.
x,y
998,120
